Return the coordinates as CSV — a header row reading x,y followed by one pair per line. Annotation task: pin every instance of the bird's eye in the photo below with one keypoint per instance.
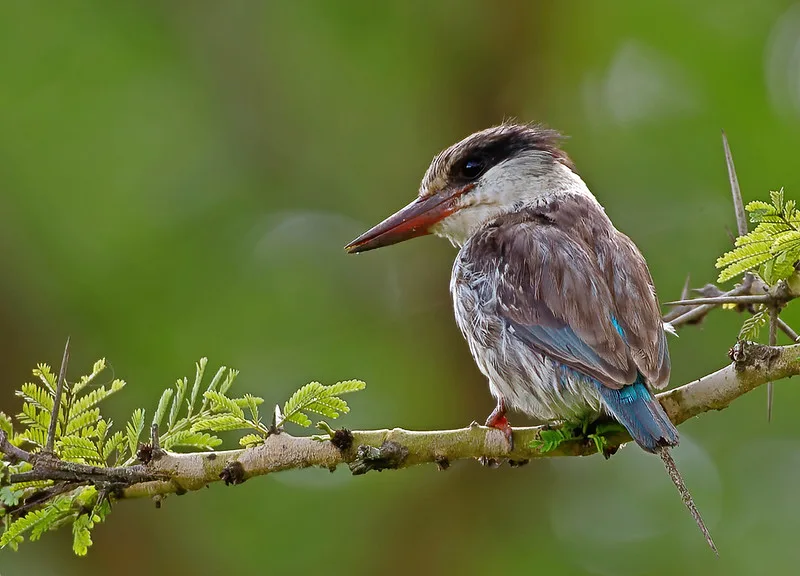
x,y
473,168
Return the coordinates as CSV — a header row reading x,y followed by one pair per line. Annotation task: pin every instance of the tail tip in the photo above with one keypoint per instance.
x,y
677,479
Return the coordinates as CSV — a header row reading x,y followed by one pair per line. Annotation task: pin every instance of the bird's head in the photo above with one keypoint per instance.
x,y
488,173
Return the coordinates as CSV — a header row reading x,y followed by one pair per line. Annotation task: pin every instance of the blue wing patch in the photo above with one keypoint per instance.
x,y
635,408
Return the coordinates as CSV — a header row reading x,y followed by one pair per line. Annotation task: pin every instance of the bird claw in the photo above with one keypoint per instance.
x,y
497,419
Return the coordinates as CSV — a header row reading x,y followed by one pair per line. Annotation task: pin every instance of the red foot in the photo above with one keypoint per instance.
x,y
497,419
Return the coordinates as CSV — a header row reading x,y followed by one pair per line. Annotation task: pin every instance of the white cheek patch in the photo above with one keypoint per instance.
x,y
525,179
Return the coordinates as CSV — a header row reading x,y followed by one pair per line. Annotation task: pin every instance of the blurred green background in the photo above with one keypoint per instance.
x,y
177,179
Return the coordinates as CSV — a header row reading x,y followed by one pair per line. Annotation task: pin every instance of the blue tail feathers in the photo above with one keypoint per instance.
x,y
640,413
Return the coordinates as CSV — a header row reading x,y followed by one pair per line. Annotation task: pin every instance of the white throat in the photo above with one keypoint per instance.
x,y
524,180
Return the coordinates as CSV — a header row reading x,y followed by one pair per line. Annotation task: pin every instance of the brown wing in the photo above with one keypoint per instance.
x,y
638,313
554,296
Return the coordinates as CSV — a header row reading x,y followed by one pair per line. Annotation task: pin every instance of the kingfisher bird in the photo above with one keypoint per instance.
x,y
557,305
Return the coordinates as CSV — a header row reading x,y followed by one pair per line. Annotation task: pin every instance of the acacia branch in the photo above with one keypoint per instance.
x,y
716,301
695,313
168,472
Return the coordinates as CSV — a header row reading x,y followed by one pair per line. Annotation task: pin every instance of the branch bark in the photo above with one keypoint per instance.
x,y
752,366
176,473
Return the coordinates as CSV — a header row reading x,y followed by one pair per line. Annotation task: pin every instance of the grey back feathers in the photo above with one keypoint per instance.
x,y
562,265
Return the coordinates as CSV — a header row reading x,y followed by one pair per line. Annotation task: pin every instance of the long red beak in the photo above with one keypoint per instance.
x,y
414,220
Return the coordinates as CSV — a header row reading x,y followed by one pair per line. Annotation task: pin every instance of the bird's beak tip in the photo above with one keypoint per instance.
x,y
414,220
351,248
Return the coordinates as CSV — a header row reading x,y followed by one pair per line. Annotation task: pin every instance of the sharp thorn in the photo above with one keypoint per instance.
x,y
738,203
685,292
773,340
62,372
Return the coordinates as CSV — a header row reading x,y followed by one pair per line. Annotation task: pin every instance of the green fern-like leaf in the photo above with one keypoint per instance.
x,y
46,377
253,402
84,381
329,407
87,401
116,443
33,484
228,382
32,435
79,449
189,439
81,534
213,385
784,241
200,369
180,391
777,199
89,438
101,431
9,497
250,440
759,209
222,404
36,522
548,440
315,397
36,395
345,387
89,418
298,418
158,416
752,326
221,423
35,419
6,425
744,258
772,248
292,409
781,267
134,430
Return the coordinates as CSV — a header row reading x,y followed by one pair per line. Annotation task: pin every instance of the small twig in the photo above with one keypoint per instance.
x,y
56,469
51,432
13,453
698,312
675,312
786,329
103,494
744,299
686,290
42,497
773,338
738,204
752,366
155,442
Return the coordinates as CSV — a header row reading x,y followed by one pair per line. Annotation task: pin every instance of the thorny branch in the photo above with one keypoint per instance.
x,y
693,314
752,365
751,291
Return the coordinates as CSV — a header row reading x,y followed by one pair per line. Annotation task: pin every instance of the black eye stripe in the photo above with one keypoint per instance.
x,y
489,148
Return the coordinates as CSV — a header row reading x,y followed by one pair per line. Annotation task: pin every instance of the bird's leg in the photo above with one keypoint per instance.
x,y
497,419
